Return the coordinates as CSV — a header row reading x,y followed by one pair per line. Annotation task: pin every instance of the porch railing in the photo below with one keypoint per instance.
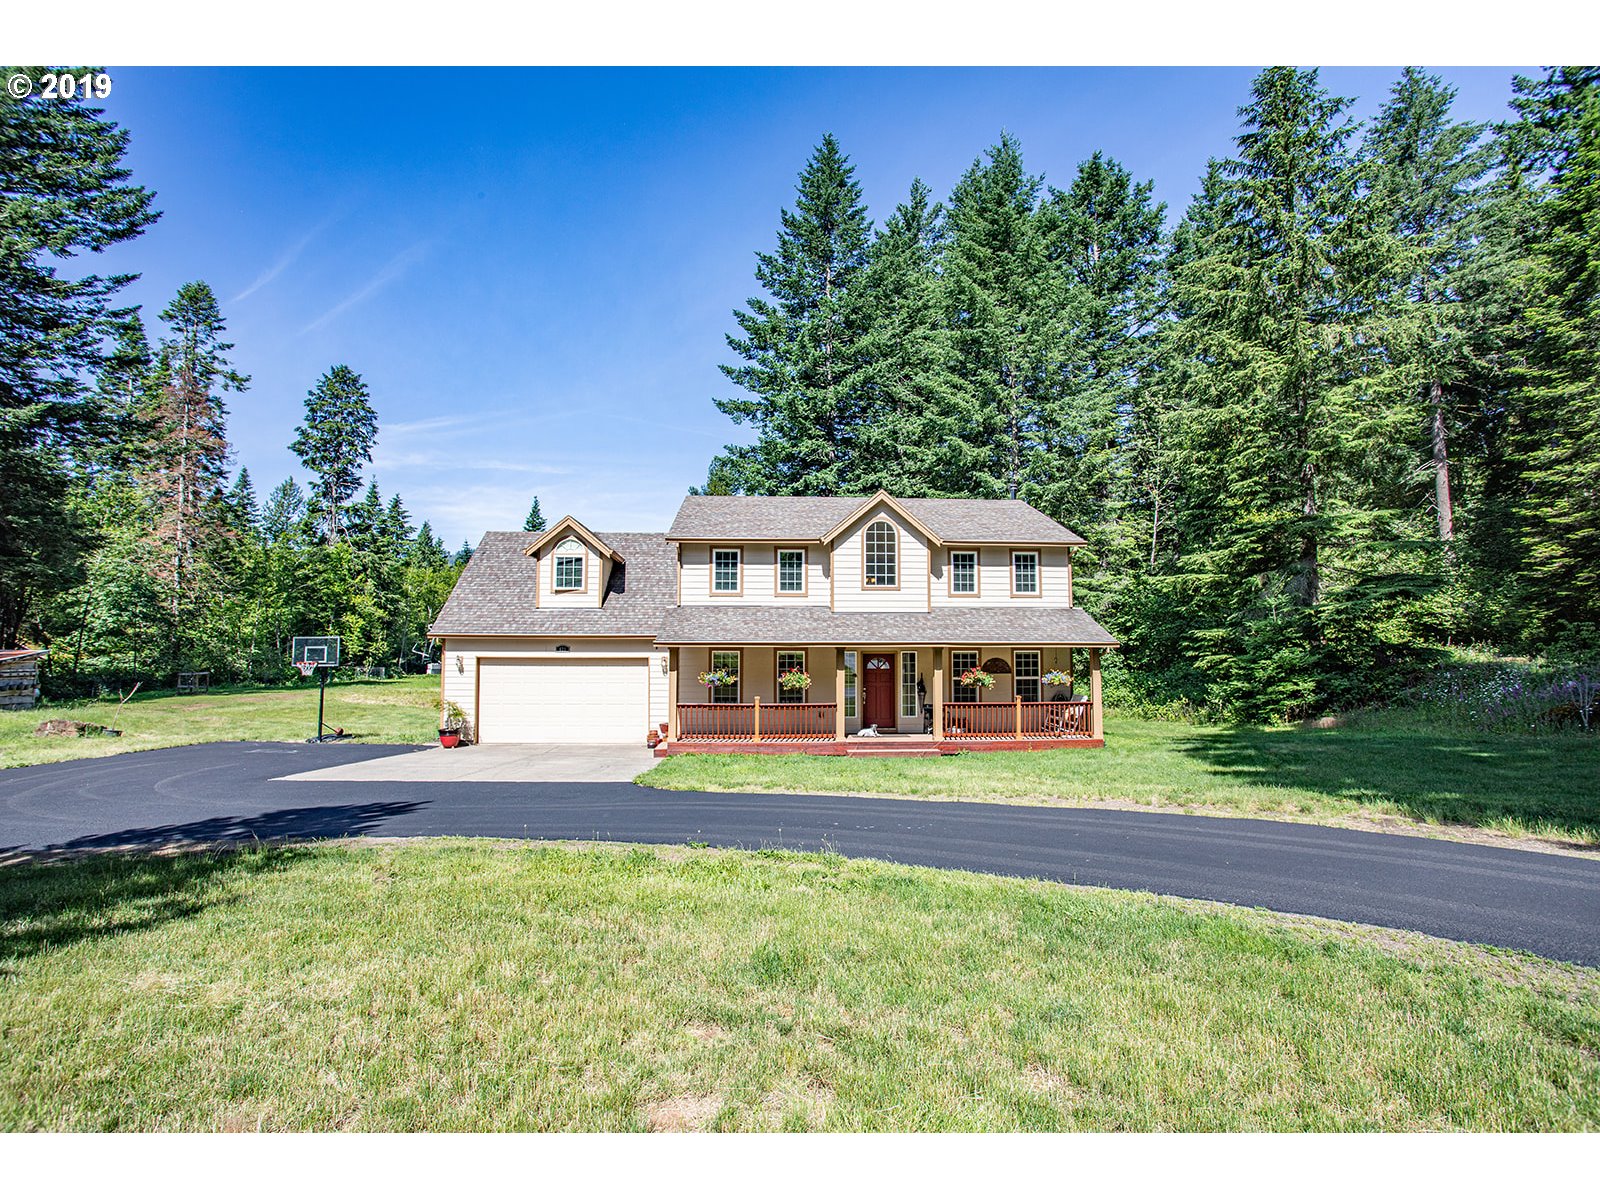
x,y
1035,720
756,722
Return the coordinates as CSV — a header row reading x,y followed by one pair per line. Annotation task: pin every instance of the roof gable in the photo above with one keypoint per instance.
x,y
882,500
567,525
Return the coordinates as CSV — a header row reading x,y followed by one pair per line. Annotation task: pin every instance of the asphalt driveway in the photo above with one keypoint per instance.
x,y
492,764
1545,903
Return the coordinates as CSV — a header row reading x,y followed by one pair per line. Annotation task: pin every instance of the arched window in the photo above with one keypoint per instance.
x,y
569,560
882,561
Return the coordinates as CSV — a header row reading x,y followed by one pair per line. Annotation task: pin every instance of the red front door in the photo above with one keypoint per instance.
x,y
878,686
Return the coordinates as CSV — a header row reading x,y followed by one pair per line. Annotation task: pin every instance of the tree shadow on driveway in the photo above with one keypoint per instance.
x,y
1537,782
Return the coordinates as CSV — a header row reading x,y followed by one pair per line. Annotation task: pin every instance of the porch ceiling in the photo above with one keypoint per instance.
x,y
722,625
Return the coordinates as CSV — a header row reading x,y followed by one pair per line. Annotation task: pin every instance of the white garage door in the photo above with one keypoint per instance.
x,y
573,700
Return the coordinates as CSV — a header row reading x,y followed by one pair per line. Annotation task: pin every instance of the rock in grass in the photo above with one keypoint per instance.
x,y
61,727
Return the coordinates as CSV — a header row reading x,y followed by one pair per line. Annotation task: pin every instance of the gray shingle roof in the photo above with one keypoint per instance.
x,y
807,625
495,592
810,517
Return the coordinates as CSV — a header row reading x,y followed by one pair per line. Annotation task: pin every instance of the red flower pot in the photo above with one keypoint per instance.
x,y
449,740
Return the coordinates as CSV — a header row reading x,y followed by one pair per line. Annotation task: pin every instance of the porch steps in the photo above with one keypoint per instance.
x,y
920,750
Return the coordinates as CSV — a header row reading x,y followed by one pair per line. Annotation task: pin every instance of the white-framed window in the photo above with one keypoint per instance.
x,y
962,660
1025,572
792,572
881,561
791,660
849,683
908,684
963,572
725,572
726,660
1025,670
569,560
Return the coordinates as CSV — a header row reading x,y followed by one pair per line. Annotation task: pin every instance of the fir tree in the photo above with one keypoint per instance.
x,y
244,514
335,442
534,522
1561,443
915,424
800,345
285,511
66,192
464,555
1003,310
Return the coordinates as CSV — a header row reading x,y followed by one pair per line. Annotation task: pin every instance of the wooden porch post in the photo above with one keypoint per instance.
x,y
838,694
672,693
1016,704
938,693
756,723
1097,725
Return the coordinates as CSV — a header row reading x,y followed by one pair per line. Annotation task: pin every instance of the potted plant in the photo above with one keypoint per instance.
x,y
450,726
718,677
794,681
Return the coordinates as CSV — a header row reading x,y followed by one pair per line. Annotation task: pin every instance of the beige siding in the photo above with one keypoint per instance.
x,y
759,575
460,664
994,579
848,593
595,571
757,672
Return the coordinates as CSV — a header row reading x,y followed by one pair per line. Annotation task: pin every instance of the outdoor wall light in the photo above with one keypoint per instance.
x,y
665,668
459,667
922,688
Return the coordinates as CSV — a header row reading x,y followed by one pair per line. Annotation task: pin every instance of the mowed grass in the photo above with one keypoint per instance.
x,y
470,985
371,710
1547,787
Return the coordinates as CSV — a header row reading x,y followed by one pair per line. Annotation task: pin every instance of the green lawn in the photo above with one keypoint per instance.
x,y
474,985
373,710
1546,787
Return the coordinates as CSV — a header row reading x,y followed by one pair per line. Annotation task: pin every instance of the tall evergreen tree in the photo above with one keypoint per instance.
x,y
1424,171
285,511
184,473
1282,431
1561,442
915,424
66,191
464,555
800,345
1103,238
243,511
534,521
1003,309
335,443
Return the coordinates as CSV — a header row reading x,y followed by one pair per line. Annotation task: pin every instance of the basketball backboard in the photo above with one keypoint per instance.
x,y
321,651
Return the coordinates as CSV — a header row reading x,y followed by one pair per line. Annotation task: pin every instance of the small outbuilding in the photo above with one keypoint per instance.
x,y
19,678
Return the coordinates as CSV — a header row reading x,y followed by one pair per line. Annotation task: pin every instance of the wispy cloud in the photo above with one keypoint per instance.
x,y
392,270
285,260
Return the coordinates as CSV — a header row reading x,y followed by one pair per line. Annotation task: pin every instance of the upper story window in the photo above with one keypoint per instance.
x,y
792,572
725,572
882,560
963,572
1024,572
569,561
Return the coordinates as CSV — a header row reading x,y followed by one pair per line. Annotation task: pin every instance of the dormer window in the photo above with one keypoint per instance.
x,y
882,556
570,557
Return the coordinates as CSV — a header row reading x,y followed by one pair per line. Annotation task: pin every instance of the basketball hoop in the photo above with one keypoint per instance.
x,y
307,654
305,668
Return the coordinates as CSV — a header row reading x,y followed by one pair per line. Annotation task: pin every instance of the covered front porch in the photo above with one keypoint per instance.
x,y
887,700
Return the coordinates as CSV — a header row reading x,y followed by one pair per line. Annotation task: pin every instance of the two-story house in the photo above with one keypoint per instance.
x,y
828,624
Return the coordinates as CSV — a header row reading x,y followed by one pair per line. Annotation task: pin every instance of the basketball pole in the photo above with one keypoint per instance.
x,y
322,692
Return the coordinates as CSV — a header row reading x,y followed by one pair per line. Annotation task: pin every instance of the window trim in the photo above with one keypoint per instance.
x,y
1016,674
777,570
583,567
1038,575
711,567
955,675
738,669
950,572
908,695
898,573
777,670
852,686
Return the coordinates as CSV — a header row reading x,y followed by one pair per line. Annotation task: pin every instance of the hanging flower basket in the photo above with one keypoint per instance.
x,y
1055,679
718,678
794,681
976,677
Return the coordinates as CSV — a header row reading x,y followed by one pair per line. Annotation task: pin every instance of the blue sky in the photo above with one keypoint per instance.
x,y
534,269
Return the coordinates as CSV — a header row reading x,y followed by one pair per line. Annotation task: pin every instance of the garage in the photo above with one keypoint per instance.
x,y
567,700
